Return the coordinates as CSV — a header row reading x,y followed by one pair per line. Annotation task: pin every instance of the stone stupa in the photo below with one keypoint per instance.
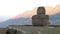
x,y
41,19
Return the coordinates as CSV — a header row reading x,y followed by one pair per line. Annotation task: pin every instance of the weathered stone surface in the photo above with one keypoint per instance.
x,y
40,19
2,30
40,10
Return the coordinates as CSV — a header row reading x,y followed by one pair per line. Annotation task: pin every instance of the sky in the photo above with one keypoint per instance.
x,y
10,8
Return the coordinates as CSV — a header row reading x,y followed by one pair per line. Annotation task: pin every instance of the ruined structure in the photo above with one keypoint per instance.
x,y
41,19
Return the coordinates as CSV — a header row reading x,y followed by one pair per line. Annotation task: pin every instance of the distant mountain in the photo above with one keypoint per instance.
x,y
49,11
4,18
55,19
27,14
19,21
55,16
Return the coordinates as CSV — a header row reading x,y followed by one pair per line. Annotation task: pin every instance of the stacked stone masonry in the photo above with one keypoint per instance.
x,y
41,19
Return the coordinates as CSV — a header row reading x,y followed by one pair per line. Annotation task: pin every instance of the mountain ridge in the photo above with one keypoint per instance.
x,y
49,11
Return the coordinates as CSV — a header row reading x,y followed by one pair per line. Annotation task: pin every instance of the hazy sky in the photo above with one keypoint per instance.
x,y
13,7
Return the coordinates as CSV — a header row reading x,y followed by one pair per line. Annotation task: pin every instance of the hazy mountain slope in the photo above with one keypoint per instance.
x,y
19,21
55,19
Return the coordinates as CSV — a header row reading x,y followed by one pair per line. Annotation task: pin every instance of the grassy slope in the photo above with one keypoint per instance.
x,y
43,30
55,30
